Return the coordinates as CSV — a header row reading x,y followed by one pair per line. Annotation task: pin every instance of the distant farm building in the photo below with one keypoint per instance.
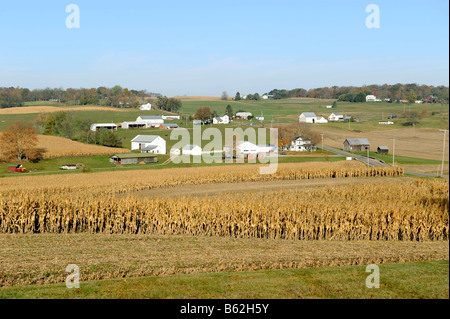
x,y
152,121
145,107
225,119
106,126
192,150
170,117
243,115
308,117
386,122
372,98
133,158
149,144
335,117
246,148
133,125
301,144
383,150
168,126
197,122
356,144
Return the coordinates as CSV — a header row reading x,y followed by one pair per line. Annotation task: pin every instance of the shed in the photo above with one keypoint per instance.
x,y
168,126
356,144
141,142
135,124
133,158
107,126
307,117
383,150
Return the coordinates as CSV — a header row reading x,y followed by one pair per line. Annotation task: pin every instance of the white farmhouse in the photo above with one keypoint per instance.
x,y
308,117
152,121
225,119
372,98
335,117
145,107
301,144
191,149
149,144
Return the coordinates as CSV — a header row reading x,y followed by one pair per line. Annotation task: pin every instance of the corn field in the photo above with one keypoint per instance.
x,y
401,211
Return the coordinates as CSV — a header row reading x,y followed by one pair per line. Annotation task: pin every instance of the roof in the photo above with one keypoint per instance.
x,y
133,155
190,147
170,125
309,114
151,117
358,141
383,147
145,138
149,148
104,124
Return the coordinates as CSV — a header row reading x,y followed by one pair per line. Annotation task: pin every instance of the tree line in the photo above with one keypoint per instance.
x,y
394,92
116,96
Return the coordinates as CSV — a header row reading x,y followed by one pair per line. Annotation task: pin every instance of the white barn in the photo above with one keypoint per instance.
x,y
99,126
151,120
308,117
149,144
245,148
224,119
145,107
191,149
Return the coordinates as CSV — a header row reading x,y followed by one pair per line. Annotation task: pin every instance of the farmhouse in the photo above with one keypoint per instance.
x,y
191,149
383,150
106,126
372,98
243,115
225,119
301,144
145,107
152,121
149,144
133,158
135,124
308,117
356,144
335,117
168,126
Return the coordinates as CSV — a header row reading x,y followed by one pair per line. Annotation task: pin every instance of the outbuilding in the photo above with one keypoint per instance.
x,y
133,158
356,144
383,150
152,121
168,126
191,149
307,117
149,144
107,126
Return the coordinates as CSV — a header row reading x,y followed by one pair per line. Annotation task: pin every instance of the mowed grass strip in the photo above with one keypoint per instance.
x,y
420,280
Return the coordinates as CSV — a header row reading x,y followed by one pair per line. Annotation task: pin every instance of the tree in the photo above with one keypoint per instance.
x,y
411,97
334,104
224,96
360,97
16,140
229,110
203,113
237,97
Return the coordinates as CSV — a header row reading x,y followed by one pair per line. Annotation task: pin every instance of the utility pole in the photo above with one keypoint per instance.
x,y
393,154
443,153
322,141
368,159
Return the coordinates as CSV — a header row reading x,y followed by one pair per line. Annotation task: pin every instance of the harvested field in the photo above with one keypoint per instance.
x,y
52,109
63,147
420,143
26,259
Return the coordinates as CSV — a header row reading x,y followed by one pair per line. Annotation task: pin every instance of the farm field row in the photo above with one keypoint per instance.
x,y
27,260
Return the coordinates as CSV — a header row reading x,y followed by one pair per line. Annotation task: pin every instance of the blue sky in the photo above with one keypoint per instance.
x,y
206,47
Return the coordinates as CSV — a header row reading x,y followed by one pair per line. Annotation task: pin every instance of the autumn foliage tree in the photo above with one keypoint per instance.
x,y
203,113
18,141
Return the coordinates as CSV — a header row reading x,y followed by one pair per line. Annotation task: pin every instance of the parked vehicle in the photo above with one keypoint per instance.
x,y
16,168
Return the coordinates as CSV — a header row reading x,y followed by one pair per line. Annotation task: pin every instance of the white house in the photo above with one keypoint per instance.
x,y
321,119
301,144
225,119
152,121
108,126
149,144
145,107
170,117
191,149
372,98
267,96
335,117
308,117
243,115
